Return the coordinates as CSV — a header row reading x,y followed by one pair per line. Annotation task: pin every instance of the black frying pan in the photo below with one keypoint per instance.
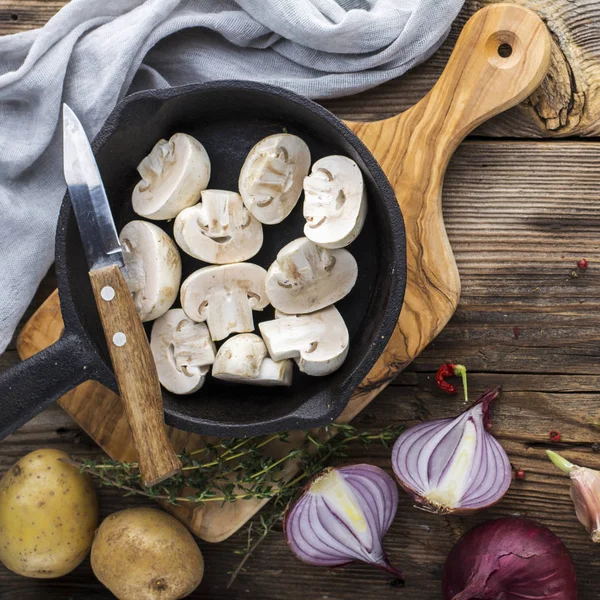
x,y
228,117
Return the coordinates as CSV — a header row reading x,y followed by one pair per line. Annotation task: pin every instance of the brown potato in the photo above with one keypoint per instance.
x,y
145,554
48,515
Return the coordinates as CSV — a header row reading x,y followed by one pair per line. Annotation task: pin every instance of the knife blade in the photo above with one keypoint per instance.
x,y
126,339
88,197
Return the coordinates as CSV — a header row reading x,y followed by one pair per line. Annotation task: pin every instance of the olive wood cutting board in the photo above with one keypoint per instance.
x,y
500,57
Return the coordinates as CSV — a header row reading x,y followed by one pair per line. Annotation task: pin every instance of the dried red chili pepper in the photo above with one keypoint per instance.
x,y
554,436
446,370
450,370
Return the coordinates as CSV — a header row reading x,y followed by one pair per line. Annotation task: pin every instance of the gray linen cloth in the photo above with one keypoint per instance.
x,y
94,52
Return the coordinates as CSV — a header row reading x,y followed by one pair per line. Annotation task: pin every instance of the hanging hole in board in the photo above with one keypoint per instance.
x,y
505,50
14,17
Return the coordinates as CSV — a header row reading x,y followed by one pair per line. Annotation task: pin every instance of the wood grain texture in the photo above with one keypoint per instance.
x,y
23,15
136,375
519,216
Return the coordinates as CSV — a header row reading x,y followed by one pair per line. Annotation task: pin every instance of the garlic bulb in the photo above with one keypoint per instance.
x,y
585,493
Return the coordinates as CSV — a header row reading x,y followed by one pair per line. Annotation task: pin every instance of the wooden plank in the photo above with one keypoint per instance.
x,y
22,15
414,149
568,102
519,215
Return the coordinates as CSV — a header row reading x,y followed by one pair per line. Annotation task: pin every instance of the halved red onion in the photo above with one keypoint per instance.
x,y
453,465
342,517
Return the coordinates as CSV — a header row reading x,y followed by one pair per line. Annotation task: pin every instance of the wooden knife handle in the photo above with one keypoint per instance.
x,y
136,374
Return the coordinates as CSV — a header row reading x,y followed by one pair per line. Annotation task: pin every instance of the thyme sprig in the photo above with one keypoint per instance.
x,y
234,469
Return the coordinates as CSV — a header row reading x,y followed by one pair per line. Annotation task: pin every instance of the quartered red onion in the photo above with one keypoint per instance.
x,y
453,465
509,559
342,517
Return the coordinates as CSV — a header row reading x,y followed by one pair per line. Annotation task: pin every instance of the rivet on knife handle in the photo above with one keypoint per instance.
x,y
136,374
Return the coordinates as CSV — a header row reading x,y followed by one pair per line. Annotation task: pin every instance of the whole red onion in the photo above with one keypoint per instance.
x,y
509,559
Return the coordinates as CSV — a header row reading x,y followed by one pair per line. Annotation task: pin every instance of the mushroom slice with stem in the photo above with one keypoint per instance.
x,y
173,175
152,268
183,352
225,296
306,277
272,175
243,358
335,202
219,229
318,342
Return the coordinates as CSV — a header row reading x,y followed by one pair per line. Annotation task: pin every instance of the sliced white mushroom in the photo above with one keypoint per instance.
x,y
335,202
225,296
318,342
152,268
173,175
306,277
272,176
219,229
244,359
183,352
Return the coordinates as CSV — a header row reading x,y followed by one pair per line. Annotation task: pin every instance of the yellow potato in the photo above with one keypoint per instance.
x,y
146,554
48,515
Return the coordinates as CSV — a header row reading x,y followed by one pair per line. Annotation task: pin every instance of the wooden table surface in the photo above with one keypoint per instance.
x,y
521,207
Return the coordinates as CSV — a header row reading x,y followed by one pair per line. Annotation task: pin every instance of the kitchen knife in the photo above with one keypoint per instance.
x,y
125,336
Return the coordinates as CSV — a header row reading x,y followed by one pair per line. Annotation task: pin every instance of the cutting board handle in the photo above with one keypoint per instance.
x,y
501,56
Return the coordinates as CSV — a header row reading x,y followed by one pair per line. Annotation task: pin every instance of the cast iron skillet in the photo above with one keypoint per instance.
x,y
228,117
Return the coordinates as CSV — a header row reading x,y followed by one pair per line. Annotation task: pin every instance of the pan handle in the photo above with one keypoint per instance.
x,y
29,387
